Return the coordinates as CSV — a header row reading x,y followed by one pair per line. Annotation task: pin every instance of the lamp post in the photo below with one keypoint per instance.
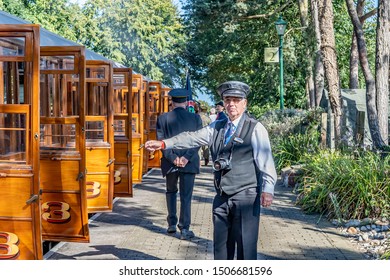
x,y
280,28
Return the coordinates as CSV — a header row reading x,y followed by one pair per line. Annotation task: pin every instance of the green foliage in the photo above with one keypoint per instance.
x,y
343,184
293,134
224,45
346,186
145,35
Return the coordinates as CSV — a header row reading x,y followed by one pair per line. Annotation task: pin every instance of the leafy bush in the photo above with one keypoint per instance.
x,y
292,133
346,186
292,149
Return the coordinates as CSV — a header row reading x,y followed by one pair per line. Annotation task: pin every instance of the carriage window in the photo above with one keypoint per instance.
x,y
135,102
12,88
119,79
154,104
58,136
134,123
12,46
59,95
95,131
13,137
152,88
153,121
95,72
57,62
120,101
120,127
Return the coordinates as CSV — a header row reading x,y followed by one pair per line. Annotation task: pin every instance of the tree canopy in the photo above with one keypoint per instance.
x,y
146,35
218,40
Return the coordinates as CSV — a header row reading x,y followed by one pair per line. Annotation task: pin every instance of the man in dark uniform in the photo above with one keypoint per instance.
x,y
179,165
220,111
244,172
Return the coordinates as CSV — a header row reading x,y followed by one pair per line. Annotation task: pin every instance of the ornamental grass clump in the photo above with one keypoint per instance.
x,y
346,186
293,133
292,149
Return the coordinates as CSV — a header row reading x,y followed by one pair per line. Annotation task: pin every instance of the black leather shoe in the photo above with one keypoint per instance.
x,y
186,234
171,229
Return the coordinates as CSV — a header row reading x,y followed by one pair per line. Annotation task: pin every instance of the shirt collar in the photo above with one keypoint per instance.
x,y
235,122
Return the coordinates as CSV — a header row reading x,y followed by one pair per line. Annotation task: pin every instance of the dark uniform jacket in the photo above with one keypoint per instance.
x,y
171,124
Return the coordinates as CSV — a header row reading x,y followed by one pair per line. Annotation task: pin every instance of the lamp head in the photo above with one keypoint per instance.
x,y
280,26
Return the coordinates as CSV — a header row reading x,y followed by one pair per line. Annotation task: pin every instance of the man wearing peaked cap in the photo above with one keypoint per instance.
x,y
179,166
244,172
178,95
233,88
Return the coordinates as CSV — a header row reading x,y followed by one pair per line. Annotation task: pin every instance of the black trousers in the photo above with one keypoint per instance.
x,y
236,225
186,186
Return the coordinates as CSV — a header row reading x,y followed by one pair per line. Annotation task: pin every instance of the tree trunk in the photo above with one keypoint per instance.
x,y
329,58
382,67
303,13
319,75
370,81
354,58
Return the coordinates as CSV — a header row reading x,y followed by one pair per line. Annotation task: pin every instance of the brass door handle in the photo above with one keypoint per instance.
x,y
32,199
110,161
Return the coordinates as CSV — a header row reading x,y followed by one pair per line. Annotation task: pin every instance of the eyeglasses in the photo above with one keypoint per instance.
x,y
235,100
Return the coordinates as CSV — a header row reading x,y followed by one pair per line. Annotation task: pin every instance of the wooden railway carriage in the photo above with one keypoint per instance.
x,y
155,109
123,132
20,225
99,134
62,144
146,122
137,126
59,116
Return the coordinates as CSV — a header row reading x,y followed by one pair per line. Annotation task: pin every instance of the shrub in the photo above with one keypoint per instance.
x,y
346,186
292,133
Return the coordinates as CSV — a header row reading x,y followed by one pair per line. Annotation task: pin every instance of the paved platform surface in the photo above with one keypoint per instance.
x,y
136,229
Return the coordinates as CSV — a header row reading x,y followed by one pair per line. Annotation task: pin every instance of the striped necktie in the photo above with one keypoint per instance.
x,y
230,131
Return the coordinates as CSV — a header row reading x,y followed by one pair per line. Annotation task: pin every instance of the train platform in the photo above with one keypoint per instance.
x,y
136,229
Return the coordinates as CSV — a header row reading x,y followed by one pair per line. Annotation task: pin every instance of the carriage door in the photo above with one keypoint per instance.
x,y
20,227
154,112
137,130
123,185
62,144
144,124
99,136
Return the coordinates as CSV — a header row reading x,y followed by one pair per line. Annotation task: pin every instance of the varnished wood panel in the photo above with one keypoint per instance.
x,y
17,240
20,230
136,159
155,157
122,186
14,192
62,155
99,192
99,198
62,218
17,219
